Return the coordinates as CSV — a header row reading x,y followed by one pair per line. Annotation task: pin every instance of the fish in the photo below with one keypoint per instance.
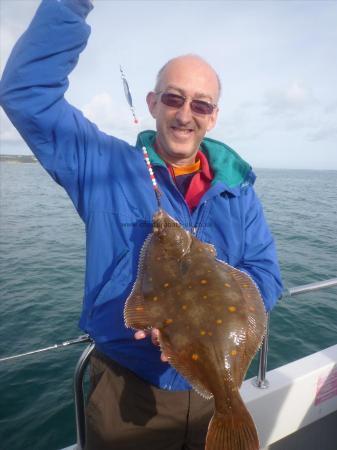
x,y
211,321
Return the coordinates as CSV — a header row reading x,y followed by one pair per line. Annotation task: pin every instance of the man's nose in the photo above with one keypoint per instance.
x,y
184,113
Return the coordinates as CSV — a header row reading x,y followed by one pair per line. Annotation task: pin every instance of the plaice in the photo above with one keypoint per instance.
x,y
211,320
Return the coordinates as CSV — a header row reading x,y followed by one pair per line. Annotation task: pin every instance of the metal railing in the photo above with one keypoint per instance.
x,y
79,394
260,381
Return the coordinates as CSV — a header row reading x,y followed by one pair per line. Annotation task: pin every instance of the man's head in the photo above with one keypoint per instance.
x,y
180,130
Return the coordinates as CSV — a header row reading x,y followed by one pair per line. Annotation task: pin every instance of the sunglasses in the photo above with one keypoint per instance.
x,y
177,101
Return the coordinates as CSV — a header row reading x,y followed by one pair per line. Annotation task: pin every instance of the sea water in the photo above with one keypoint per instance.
x,y
42,250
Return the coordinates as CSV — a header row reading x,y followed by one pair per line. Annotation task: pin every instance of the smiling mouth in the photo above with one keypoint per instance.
x,y
181,132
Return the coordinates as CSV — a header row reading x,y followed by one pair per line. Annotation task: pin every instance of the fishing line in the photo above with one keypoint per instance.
x,y
128,97
79,340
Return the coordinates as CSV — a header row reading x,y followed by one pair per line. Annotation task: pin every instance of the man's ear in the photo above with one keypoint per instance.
x,y
213,119
151,100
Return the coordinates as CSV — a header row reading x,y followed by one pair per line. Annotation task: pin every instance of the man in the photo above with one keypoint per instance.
x,y
137,399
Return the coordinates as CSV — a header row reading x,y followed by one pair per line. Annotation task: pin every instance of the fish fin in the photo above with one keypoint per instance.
x,y
233,430
248,287
183,369
201,390
253,299
256,327
134,310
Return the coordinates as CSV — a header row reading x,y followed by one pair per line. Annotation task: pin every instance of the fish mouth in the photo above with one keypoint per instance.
x,y
162,221
158,219
170,232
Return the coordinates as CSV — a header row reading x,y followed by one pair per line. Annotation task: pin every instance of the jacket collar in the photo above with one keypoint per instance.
x,y
229,169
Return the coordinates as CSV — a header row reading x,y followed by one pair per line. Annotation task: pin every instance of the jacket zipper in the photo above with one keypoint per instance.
x,y
200,216
194,229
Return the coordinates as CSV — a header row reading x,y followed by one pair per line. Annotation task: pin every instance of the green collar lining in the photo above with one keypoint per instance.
x,y
228,167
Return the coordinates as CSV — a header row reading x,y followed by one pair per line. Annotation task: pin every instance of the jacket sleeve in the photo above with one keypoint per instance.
x,y
32,93
260,259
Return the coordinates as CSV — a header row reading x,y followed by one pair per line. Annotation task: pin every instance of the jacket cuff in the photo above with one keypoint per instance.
x,y
79,7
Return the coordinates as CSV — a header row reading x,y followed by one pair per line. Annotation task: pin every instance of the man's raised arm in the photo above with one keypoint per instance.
x,y
33,86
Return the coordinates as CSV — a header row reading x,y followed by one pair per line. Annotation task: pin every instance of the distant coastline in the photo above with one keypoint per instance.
x,y
18,158
13,159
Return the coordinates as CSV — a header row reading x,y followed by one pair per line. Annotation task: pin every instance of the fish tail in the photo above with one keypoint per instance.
x,y
232,430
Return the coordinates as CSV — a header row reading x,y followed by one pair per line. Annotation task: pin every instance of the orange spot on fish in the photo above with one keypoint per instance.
x,y
202,332
245,285
251,308
166,285
139,308
158,258
231,309
210,333
195,356
168,321
234,352
219,321
189,286
203,281
227,285
155,298
184,307
204,297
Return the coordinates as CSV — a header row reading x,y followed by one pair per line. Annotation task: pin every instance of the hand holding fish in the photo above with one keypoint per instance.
x,y
141,334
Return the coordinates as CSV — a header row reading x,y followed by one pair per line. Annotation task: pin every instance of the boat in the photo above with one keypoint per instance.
x,y
293,406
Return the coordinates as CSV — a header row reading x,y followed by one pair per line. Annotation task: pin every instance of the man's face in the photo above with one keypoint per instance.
x,y
180,130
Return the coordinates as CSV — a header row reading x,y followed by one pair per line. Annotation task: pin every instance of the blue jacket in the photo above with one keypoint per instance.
x,y
108,183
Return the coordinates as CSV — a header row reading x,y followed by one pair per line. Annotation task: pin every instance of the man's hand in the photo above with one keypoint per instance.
x,y
140,334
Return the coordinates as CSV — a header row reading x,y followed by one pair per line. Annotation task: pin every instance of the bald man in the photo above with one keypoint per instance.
x,y
137,400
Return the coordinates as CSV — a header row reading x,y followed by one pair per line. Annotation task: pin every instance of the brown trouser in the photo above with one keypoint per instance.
x,y
126,413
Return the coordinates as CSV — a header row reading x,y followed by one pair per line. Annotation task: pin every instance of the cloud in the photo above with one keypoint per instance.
x,y
113,118
237,124
331,107
295,109
290,109
324,132
289,99
110,117
101,110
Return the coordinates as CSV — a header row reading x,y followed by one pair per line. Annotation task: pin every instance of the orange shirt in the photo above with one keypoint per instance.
x,y
193,180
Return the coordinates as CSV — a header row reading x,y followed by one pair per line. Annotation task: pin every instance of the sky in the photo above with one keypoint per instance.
x,y
277,61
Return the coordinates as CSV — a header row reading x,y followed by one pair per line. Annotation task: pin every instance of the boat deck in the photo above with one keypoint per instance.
x,y
320,435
